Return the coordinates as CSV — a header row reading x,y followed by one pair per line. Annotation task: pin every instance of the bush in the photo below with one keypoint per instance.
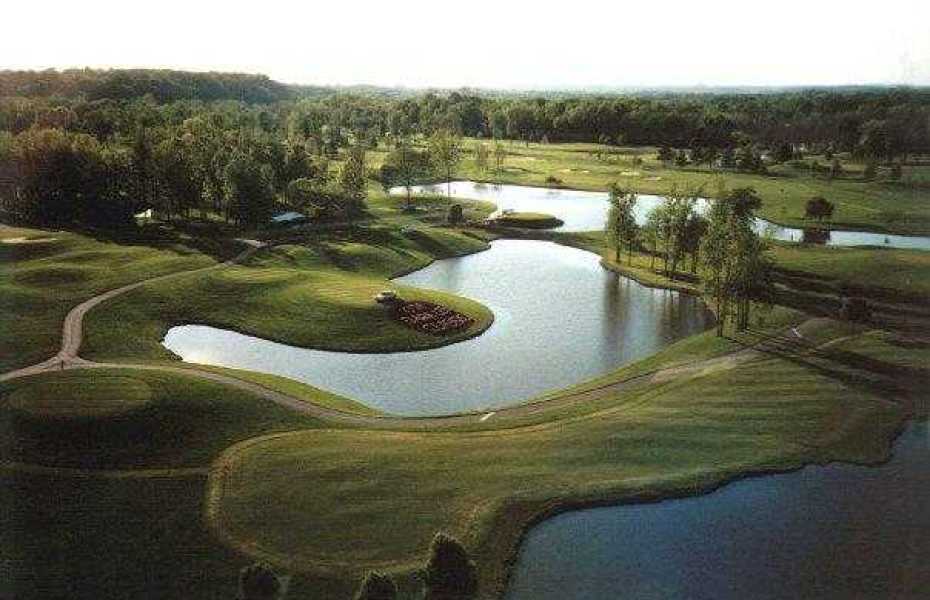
x,y
259,582
449,572
552,180
818,208
377,586
455,216
855,309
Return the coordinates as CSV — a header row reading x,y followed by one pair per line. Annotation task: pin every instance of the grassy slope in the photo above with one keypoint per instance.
x,y
899,207
326,286
40,282
185,421
775,413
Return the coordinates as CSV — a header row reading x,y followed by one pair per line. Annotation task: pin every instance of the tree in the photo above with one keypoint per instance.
x,y
500,155
621,222
377,586
260,582
404,166
352,175
455,214
737,268
818,208
870,171
249,191
481,157
445,152
665,154
450,573
836,169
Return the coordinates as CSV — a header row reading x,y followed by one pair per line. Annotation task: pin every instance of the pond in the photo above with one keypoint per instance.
x,y
560,318
838,531
587,211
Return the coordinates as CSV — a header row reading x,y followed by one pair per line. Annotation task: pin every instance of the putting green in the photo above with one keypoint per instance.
x,y
60,398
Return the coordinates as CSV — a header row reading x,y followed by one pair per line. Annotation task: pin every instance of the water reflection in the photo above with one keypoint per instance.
x,y
587,211
560,318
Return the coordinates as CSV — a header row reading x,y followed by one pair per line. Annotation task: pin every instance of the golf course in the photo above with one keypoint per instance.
x,y
285,336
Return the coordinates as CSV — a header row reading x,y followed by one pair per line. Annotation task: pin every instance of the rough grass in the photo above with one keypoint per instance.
x,y
318,294
41,281
183,421
301,496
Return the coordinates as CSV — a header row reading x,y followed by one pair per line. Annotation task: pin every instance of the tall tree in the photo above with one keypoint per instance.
x,y
352,175
445,151
621,221
450,573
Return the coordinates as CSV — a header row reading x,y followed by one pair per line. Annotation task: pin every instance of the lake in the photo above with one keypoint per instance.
x,y
839,531
587,211
560,318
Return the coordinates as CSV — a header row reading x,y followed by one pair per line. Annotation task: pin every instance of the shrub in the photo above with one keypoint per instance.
x,y
259,582
449,572
552,180
377,586
818,208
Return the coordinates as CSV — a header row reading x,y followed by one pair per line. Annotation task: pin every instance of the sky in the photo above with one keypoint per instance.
x,y
482,43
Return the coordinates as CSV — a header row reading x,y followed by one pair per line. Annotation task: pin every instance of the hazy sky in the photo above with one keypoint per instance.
x,y
484,43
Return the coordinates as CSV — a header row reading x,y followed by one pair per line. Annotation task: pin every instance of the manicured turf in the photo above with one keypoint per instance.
x,y
56,419
317,294
41,281
304,495
528,220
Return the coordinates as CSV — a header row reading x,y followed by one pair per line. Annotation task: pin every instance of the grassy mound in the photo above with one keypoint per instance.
x,y
122,418
529,220
40,282
59,397
319,294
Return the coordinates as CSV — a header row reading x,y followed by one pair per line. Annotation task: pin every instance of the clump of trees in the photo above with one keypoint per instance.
x,y
737,268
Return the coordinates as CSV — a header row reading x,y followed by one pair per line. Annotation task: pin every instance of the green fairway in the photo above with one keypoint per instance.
x,y
777,412
121,418
317,294
47,273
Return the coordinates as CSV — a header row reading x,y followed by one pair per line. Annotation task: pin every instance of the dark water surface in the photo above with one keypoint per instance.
x,y
839,531
560,318
587,211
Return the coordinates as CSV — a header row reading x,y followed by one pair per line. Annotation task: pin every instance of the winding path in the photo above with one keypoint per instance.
x,y
72,335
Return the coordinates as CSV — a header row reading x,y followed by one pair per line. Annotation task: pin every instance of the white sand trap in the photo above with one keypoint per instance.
x,y
24,240
631,173
653,179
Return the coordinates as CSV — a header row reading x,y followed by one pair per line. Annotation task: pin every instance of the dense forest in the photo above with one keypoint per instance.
x,y
98,146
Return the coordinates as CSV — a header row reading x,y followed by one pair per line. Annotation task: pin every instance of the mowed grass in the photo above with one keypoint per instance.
x,y
894,206
124,418
904,270
44,276
346,501
529,220
318,293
